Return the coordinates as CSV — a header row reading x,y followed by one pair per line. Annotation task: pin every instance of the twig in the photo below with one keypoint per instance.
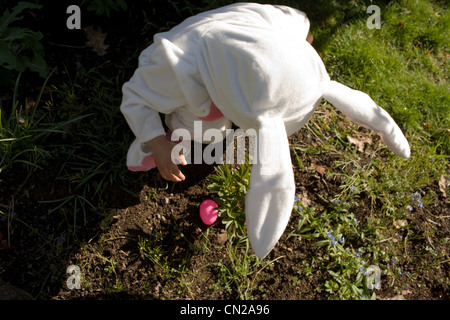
x,y
256,274
436,223
405,244
119,237
384,240
10,213
66,45
267,265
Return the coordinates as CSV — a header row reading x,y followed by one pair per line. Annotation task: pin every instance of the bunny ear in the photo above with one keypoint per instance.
x,y
268,203
361,109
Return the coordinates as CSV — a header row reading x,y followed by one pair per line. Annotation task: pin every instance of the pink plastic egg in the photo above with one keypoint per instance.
x,y
208,212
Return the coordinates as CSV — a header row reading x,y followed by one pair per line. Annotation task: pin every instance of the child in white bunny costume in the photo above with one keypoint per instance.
x,y
251,65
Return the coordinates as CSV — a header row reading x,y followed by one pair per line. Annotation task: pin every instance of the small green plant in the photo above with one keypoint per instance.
x,y
101,7
231,186
241,272
335,232
20,48
152,253
156,253
348,249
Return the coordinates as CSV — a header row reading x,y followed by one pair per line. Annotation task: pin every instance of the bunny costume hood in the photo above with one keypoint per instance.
x,y
252,64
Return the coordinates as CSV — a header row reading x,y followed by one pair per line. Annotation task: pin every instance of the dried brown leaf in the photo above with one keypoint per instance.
x,y
400,224
359,142
304,200
3,243
405,292
96,40
318,168
444,183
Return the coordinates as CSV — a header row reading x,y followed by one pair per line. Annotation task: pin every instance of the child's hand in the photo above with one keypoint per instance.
x,y
162,149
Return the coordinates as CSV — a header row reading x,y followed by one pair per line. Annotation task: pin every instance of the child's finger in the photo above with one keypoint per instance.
x,y
177,174
167,174
172,173
182,160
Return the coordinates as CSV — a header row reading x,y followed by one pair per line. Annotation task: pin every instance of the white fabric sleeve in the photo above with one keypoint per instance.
x,y
153,89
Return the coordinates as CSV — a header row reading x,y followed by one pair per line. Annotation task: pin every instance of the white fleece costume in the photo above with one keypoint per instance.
x,y
249,64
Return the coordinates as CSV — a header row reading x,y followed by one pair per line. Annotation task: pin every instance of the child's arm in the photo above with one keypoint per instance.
x,y
153,90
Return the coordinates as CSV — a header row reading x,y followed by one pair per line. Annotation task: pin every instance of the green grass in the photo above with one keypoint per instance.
x,y
403,66
26,131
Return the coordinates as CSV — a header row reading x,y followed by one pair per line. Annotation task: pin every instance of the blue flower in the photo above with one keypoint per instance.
x,y
359,254
363,271
296,202
332,238
337,201
416,197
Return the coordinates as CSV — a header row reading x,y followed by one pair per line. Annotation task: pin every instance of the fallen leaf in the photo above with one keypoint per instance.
x,y
400,224
3,243
444,183
427,125
30,104
222,238
405,292
304,200
318,168
359,142
96,40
